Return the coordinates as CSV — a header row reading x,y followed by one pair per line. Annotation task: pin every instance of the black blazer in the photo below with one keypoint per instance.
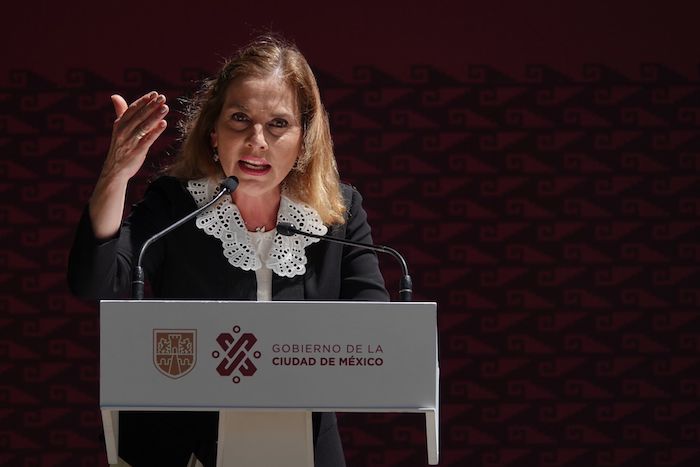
x,y
189,264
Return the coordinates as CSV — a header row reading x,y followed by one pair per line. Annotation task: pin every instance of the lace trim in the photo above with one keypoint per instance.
x,y
287,256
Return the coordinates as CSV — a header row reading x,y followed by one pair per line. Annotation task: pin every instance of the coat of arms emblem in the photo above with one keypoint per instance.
x,y
174,351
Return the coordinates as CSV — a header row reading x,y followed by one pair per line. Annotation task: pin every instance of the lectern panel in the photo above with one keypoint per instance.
x,y
312,355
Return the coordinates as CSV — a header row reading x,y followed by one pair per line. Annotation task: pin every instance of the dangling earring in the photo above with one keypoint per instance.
x,y
215,155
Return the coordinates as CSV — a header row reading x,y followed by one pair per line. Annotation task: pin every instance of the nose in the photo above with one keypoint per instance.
x,y
256,139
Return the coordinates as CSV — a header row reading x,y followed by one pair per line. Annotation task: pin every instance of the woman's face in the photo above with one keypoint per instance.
x,y
258,134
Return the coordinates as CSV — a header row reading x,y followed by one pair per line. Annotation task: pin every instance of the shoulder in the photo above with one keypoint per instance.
x,y
348,191
352,198
170,187
168,193
355,214
167,184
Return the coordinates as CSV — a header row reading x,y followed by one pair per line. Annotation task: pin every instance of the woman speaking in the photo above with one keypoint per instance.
x,y
261,120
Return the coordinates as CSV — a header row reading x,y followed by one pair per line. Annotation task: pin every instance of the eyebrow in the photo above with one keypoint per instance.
x,y
282,114
236,105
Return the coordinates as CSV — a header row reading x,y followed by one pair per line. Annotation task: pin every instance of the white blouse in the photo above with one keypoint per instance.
x,y
262,243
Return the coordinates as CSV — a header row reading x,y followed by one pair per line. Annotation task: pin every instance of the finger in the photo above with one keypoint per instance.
x,y
151,121
136,106
146,116
154,133
119,104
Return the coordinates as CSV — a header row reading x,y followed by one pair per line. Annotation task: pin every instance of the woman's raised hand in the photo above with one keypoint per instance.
x,y
136,128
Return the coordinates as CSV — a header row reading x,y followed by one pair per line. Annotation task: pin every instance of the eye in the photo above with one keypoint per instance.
x,y
279,123
239,117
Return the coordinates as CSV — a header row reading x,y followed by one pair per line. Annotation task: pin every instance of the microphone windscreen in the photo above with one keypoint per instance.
x,y
230,184
286,228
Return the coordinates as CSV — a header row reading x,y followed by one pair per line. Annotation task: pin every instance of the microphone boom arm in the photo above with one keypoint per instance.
x,y
229,185
406,285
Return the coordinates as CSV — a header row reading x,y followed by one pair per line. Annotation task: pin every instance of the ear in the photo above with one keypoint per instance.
x,y
213,139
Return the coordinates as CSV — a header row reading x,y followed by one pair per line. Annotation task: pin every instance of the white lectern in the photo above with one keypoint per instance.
x,y
265,366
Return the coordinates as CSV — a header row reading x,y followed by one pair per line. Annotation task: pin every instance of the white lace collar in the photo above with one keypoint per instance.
x,y
287,257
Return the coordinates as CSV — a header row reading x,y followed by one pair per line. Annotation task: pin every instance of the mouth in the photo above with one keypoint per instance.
x,y
254,167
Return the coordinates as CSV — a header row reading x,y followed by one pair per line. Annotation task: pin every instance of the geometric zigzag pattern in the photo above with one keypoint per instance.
x,y
554,219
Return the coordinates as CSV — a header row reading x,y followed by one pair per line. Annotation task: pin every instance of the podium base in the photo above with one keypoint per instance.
x,y
262,439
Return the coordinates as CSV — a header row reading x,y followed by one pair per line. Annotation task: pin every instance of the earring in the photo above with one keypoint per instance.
x,y
215,155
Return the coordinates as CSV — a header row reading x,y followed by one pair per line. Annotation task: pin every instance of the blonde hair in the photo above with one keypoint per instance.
x,y
314,179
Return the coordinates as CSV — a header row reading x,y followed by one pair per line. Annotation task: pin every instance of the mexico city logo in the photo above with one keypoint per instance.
x,y
174,351
236,354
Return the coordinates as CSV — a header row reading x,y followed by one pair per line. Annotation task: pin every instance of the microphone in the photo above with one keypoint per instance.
x,y
229,185
406,284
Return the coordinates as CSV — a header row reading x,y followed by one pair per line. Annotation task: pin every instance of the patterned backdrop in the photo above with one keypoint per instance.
x,y
554,218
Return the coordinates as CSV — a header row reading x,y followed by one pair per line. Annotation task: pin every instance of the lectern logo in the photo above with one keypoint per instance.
x,y
236,354
174,351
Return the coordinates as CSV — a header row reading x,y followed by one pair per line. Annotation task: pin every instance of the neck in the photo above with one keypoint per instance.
x,y
258,212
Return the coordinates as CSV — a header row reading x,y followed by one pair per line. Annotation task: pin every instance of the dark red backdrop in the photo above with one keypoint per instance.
x,y
538,162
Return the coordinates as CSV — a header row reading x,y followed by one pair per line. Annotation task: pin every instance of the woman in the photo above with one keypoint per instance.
x,y
261,120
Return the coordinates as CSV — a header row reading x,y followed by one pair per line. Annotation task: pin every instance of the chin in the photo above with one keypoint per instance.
x,y
249,187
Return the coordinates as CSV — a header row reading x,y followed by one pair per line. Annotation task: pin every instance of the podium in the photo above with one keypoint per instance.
x,y
265,366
